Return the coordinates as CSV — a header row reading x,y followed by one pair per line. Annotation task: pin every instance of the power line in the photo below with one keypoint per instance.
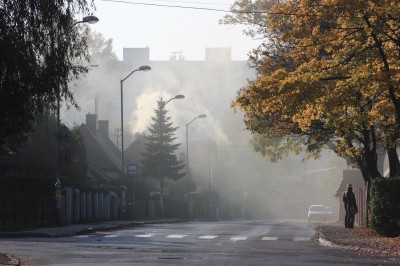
x,y
188,2
68,117
225,10
186,7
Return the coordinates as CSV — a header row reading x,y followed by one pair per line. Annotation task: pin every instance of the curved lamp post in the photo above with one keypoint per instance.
x,y
88,19
58,185
187,159
179,97
141,68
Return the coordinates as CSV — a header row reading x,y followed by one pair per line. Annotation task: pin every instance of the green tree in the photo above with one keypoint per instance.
x,y
40,52
160,159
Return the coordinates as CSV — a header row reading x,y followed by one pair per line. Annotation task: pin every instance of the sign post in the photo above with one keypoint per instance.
x,y
132,170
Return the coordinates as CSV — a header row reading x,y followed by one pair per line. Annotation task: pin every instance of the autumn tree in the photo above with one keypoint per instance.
x,y
40,52
340,86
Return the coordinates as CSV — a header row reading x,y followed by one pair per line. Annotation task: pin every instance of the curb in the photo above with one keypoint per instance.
x,y
327,243
83,230
8,260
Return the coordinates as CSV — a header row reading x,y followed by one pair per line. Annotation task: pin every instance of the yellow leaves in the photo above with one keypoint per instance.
x,y
305,118
328,70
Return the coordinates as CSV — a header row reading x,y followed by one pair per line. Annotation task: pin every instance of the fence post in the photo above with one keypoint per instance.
x,y
89,205
83,205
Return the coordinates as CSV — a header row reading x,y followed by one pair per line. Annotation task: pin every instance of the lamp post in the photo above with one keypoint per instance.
x,y
88,19
144,68
162,106
187,159
141,68
209,179
58,185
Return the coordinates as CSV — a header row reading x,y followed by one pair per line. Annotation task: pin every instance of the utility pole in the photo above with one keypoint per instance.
x,y
118,134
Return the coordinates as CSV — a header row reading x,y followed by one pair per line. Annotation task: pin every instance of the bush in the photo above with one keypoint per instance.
x,y
385,205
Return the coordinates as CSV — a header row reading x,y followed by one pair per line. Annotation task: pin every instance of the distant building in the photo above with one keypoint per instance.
x,y
212,83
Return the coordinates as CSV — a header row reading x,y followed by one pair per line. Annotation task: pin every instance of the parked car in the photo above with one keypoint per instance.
x,y
316,213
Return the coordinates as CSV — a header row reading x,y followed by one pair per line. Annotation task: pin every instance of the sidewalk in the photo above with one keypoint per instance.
x,y
72,229
358,239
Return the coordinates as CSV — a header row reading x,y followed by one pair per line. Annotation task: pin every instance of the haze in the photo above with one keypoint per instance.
x,y
192,57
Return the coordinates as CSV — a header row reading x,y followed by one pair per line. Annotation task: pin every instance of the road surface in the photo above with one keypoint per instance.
x,y
269,242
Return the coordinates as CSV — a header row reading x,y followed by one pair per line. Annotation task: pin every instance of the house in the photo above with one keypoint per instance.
x,y
103,157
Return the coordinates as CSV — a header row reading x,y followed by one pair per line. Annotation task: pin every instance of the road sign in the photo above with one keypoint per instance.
x,y
132,170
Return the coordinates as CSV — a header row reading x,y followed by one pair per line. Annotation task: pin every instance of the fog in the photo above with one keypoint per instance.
x,y
242,183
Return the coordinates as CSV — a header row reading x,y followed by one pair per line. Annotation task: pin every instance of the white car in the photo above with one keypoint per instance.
x,y
316,213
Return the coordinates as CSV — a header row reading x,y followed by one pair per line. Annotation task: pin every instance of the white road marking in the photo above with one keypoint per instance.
x,y
270,238
238,238
205,237
301,238
176,236
112,235
208,237
145,236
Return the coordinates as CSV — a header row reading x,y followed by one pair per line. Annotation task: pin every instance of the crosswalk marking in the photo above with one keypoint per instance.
x,y
204,237
176,236
208,237
238,238
112,235
301,238
270,238
145,236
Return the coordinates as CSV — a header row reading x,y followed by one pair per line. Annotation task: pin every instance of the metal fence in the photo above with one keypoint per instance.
x,y
22,209
30,209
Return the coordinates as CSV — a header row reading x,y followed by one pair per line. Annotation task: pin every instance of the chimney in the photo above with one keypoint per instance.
x,y
91,122
103,128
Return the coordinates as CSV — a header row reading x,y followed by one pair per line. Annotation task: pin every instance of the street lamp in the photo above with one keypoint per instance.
x,y
141,68
209,180
58,185
162,106
88,19
179,96
187,159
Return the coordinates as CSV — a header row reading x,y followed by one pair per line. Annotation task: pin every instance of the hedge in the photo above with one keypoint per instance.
x,y
385,206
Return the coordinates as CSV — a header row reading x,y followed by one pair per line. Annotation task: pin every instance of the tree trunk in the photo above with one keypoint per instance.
x,y
394,164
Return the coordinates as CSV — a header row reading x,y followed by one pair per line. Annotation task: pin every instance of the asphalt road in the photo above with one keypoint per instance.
x,y
193,243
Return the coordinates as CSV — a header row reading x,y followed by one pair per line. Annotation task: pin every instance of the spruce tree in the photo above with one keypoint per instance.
x,y
160,159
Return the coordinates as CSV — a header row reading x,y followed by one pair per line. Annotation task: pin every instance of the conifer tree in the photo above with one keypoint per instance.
x,y
160,159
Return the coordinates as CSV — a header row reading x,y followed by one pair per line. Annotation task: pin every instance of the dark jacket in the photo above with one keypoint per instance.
x,y
349,200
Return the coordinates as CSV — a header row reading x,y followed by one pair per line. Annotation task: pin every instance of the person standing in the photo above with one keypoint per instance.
x,y
350,205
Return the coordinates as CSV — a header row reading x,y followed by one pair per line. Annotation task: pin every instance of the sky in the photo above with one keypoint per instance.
x,y
170,29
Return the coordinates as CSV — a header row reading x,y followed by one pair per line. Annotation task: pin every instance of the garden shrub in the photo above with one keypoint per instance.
x,y
385,206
